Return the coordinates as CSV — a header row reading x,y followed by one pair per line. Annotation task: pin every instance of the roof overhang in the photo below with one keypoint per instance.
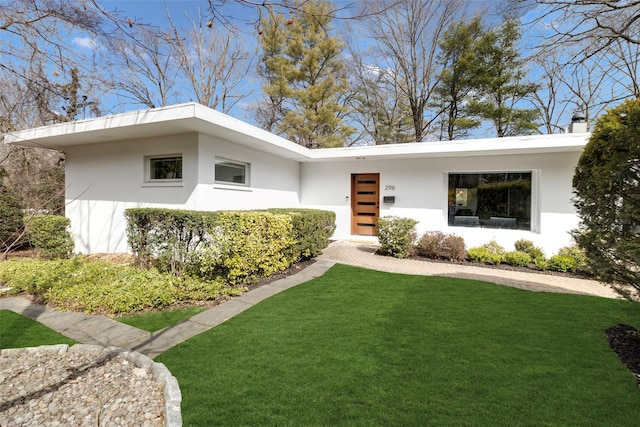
x,y
192,117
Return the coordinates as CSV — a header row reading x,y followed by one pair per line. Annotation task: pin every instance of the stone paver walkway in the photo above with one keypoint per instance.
x,y
101,330
362,254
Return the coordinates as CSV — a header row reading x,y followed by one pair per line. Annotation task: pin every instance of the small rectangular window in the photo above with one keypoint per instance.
x,y
164,168
231,172
490,200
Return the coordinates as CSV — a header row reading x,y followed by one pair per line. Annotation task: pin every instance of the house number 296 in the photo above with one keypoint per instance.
x,y
389,187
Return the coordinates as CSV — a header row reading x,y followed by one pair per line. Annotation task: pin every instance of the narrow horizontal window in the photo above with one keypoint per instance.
x,y
164,168
490,200
230,172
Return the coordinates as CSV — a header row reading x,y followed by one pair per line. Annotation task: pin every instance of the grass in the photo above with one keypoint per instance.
x,y
155,320
17,331
360,348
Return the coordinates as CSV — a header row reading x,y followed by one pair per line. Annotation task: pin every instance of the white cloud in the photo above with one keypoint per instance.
x,y
86,42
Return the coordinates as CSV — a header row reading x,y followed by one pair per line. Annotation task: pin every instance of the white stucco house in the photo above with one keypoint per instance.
x,y
191,157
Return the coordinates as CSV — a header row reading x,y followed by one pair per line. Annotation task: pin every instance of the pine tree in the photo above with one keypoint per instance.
x,y
305,77
501,85
459,45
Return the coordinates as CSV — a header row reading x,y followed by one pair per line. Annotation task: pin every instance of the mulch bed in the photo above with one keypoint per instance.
x,y
579,274
625,341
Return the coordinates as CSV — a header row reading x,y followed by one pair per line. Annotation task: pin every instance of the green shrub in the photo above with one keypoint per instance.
x,y
527,247
166,238
437,245
490,252
517,258
562,262
396,235
576,253
523,245
95,286
541,263
247,245
49,234
312,229
479,254
11,223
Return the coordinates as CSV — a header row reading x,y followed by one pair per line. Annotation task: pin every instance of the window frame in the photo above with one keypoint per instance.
x,y
485,223
246,168
148,179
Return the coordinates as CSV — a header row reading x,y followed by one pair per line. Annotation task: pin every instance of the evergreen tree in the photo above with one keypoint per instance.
x,y
607,187
305,77
500,83
459,45
376,105
11,214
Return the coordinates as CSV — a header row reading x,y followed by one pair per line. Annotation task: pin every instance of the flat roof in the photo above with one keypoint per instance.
x,y
193,117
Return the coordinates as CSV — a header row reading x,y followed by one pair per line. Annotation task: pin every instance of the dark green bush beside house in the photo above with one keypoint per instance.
x,y
49,234
606,183
10,216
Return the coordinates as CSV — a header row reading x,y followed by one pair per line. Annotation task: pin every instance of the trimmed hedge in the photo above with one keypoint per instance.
x,y
244,246
240,245
49,234
312,229
166,237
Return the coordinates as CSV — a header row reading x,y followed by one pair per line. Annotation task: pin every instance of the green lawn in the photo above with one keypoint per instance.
x,y
155,320
357,347
17,331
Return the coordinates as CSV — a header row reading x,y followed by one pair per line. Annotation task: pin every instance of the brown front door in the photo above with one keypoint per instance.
x,y
365,203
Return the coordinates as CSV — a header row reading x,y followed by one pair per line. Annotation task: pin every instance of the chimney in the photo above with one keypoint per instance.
x,y
578,124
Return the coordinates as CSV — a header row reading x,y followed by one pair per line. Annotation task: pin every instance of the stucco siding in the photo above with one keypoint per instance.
x,y
420,190
105,179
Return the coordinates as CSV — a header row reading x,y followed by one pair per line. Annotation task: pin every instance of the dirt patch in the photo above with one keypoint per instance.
x,y
625,341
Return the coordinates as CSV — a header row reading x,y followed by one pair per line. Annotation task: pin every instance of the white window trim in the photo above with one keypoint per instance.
x,y
227,185
536,198
149,182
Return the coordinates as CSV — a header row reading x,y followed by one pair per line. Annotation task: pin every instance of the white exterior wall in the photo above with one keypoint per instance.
x,y
274,181
105,179
420,190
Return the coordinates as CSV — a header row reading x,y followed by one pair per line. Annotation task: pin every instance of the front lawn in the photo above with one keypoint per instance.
x,y
358,347
17,331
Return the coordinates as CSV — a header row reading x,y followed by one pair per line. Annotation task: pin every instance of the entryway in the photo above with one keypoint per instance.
x,y
365,203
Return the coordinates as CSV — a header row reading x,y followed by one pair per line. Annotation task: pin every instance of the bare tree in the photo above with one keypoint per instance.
x,y
623,64
143,73
407,33
598,22
550,99
212,62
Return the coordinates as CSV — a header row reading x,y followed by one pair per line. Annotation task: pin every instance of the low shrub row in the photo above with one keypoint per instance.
x,y
96,286
398,238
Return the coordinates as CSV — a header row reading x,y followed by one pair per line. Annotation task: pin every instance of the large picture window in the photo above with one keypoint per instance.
x,y
164,168
491,200
230,172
